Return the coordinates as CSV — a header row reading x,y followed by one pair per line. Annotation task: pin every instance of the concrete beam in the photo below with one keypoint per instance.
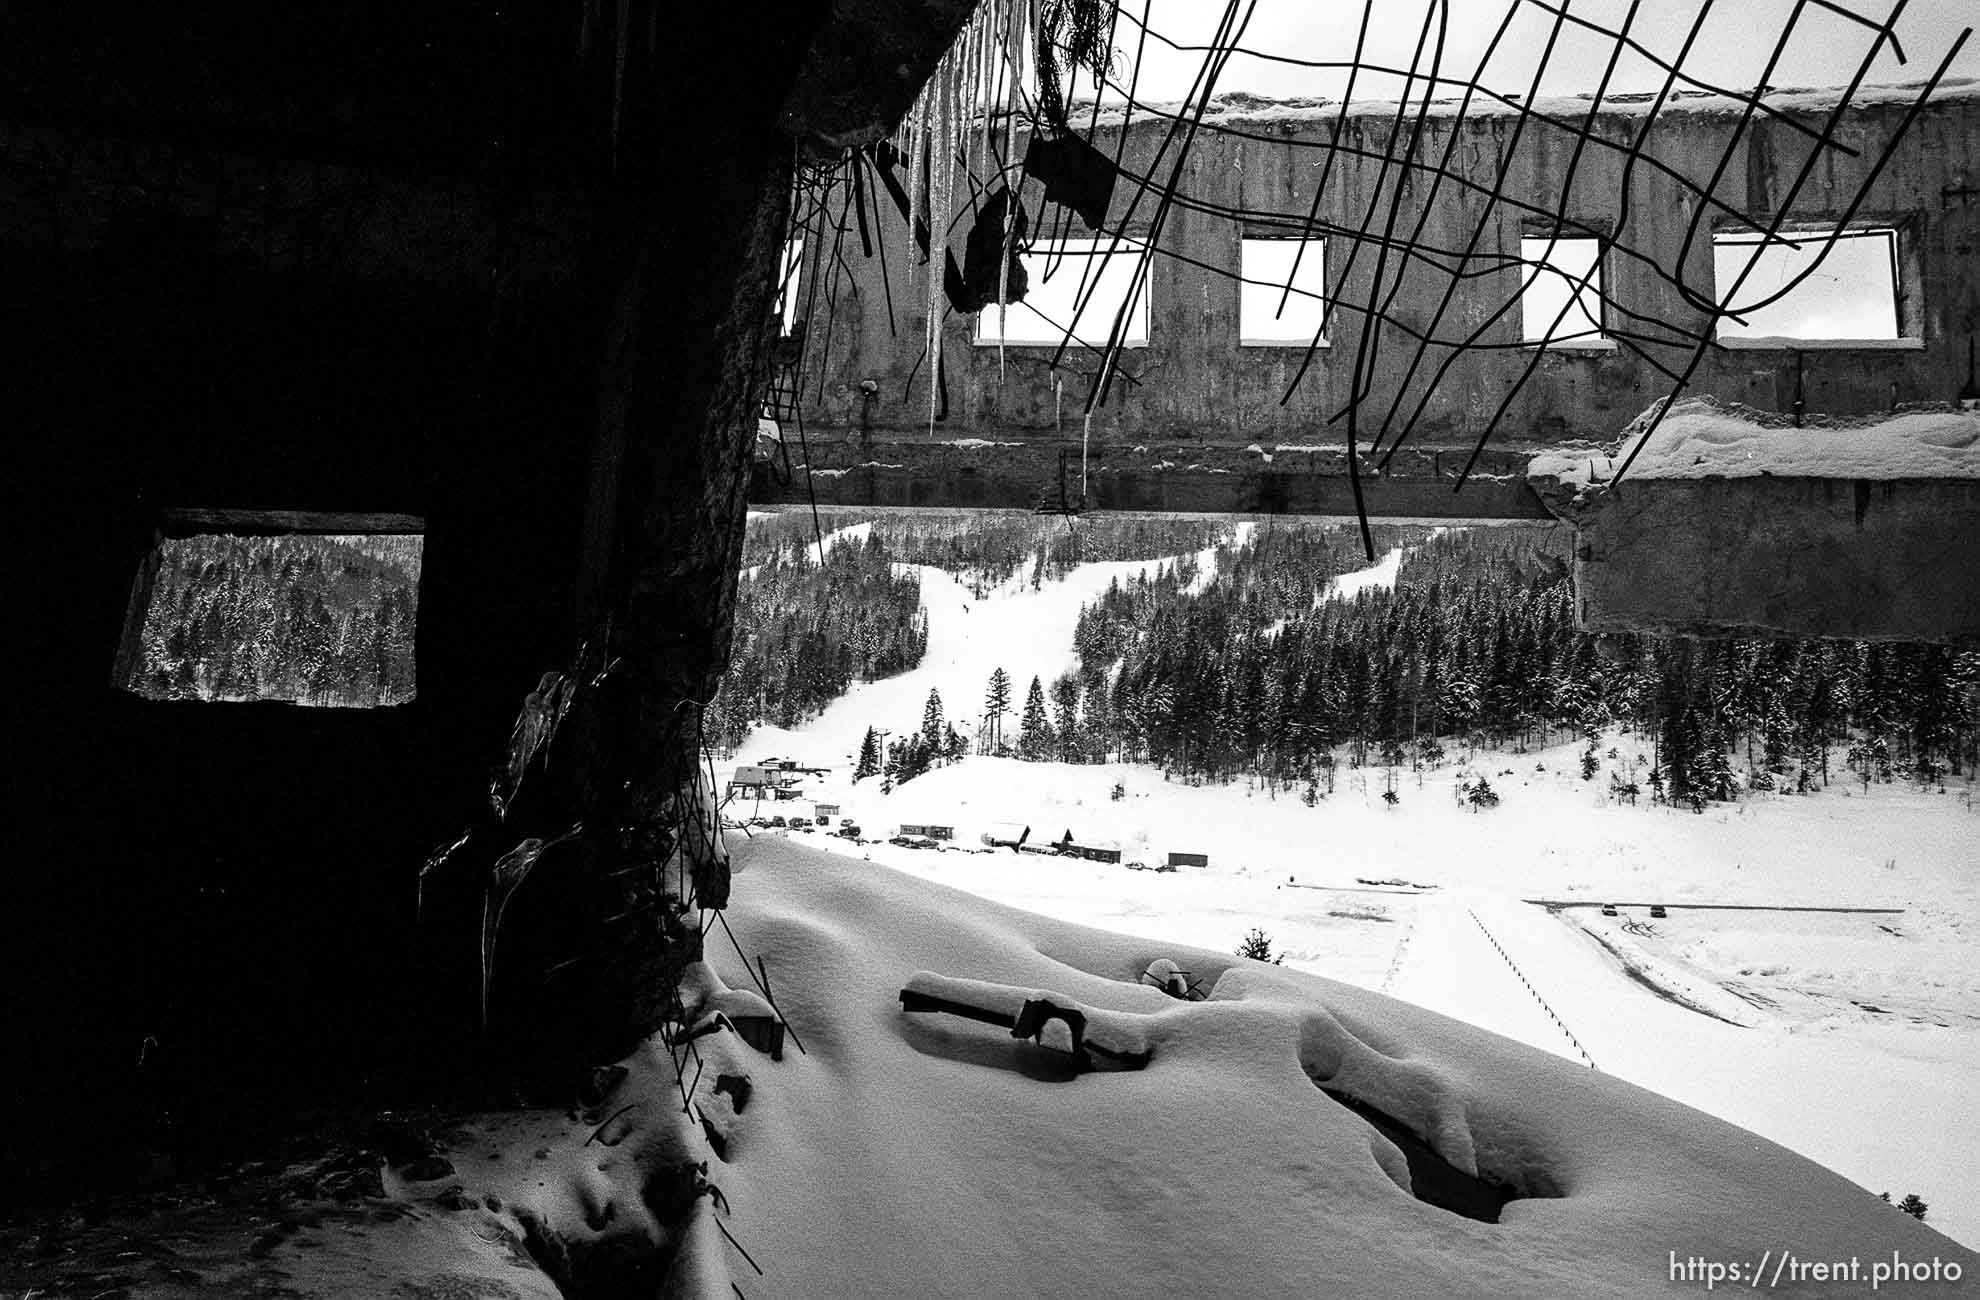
x,y
1715,534
1802,557
1018,471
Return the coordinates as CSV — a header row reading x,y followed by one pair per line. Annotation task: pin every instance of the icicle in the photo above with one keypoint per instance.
x,y
940,128
977,80
1085,437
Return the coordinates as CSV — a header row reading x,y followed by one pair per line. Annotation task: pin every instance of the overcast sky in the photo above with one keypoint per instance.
x,y
1732,48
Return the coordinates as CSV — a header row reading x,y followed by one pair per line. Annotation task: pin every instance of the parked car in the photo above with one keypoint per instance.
x,y
1657,912
1608,909
845,822
777,822
849,832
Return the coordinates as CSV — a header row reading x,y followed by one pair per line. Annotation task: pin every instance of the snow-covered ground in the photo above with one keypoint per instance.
x,y
1852,1037
910,1154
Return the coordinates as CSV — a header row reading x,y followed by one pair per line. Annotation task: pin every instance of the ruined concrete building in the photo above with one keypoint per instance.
x,y
503,277
1541,278
498,276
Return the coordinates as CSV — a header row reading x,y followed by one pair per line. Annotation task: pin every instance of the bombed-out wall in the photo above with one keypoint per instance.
x,y
1672,195
393,267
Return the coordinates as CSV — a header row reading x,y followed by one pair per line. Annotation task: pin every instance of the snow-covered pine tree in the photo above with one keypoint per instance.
x,y
1035,739
914,760
932,724
869,757
1257,945
1065,718
996,703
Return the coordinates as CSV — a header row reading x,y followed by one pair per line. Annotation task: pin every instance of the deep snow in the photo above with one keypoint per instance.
x,y
1853,1038
1703,437
929,1155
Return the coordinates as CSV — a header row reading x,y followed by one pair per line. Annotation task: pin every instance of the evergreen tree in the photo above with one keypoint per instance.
x,y
932,725
869,757
1035,740
1257,945
915,757
1065,719
996,703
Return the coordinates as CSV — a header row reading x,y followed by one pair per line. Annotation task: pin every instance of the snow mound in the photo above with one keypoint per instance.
x,y
1281,1137
1704,437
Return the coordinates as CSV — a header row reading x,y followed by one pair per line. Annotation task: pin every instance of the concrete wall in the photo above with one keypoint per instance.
x,y
1783,556
1193,387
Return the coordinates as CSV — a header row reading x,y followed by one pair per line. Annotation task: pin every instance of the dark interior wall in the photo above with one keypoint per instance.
x,y
236,881
212,906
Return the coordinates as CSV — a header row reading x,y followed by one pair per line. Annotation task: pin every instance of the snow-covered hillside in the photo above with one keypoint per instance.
x,y
1025,632
1851,1036
921,1154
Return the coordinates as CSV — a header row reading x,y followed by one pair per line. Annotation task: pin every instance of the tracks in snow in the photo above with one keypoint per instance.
x,y
1528,986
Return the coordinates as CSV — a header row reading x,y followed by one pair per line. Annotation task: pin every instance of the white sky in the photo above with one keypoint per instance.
x,y
1731,50
1851,295
1059,275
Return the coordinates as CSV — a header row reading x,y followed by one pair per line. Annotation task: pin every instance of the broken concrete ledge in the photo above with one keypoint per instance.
x,y
1736,523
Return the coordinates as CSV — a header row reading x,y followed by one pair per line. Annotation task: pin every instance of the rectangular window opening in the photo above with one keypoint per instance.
x,y
1560,296
1073,285
241,606
1825,284
1270,314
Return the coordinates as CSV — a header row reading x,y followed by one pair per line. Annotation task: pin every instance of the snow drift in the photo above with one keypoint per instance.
x,y
917,1155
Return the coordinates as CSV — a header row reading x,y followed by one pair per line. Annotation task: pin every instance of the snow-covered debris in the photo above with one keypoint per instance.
x,y
1277,1134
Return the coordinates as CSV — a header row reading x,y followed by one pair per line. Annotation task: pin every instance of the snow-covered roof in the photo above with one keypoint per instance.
x,y
1703,437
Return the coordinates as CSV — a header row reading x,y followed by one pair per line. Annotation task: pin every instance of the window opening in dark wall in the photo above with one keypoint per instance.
x,y
1561,292
325,619
1827,284
1269,315
1077,287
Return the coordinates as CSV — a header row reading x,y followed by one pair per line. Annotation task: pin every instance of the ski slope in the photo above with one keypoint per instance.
x,y
1027,633
1853,1038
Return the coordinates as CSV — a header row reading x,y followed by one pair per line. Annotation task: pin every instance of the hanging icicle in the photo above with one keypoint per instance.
x,y
978,80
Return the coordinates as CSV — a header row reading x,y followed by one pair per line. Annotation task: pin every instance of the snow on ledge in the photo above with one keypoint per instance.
x,y
1242,106
1789,343
1704,438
